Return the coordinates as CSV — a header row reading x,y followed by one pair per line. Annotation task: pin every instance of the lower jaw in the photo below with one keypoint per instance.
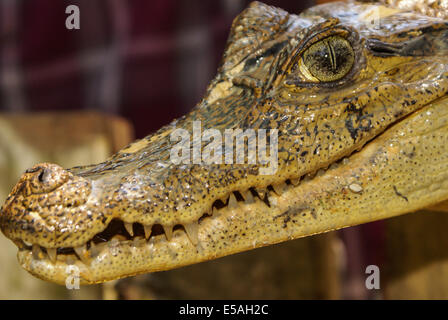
x,y
402,170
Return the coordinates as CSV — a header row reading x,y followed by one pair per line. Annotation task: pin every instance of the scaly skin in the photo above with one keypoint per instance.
x,y
379,133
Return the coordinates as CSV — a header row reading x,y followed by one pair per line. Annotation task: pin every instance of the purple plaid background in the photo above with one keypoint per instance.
x,y
149,61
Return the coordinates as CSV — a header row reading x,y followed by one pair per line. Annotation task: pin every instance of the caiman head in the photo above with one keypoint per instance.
x,y
331,118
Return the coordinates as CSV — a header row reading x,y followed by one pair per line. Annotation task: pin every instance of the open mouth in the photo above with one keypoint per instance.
x,y
119,233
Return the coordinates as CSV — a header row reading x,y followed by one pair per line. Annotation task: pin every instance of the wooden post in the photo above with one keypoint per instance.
x,y
417,257
67,139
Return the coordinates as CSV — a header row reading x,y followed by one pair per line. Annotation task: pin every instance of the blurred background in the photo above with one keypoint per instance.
x,y
77,96
148,61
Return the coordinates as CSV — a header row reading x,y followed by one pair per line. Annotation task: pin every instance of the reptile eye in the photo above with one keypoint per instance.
x,y
327,60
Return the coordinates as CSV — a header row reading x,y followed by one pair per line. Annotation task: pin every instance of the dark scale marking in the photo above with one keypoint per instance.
x,y
399,194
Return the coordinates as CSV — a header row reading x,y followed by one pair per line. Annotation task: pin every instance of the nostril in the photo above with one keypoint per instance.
x,y
43,176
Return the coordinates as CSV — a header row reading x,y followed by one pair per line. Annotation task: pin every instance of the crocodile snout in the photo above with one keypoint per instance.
x,y
44,205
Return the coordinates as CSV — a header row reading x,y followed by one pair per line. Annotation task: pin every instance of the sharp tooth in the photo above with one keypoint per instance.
x,y
279,188
36,251
192,232
138,241
98,248
261,192
215,212
168,232
320,172
232,201
307,178
94,250
29,244
261,202
333,166
224,199
295,181
52,254
118,238
272,199
248,197
129,228
148,230
79,251
83,254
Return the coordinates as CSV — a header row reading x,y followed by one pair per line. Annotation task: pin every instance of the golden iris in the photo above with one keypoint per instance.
x,y
327,60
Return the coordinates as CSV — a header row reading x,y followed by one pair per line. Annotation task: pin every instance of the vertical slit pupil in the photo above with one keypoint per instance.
x,y
332,56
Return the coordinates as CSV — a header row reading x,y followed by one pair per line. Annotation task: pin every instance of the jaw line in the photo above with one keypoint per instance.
x,y
327,202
